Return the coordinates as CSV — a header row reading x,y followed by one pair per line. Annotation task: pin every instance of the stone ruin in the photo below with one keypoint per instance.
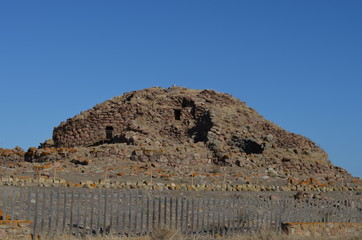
x,y
184,127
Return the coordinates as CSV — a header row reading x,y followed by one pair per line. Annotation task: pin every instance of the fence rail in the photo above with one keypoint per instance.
x,y
136,213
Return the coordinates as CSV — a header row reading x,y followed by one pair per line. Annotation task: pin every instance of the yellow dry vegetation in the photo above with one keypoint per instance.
x,y
171,234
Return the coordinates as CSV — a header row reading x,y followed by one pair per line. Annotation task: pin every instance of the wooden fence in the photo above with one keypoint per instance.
x,y
136,213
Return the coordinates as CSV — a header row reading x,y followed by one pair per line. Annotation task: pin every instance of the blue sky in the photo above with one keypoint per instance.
x,y
298,63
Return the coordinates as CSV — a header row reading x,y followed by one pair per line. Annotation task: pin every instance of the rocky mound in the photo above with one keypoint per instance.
x,y
13,155
184,127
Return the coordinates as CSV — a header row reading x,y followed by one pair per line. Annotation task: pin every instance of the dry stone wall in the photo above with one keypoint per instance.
x,y
44,181
14,155
145,113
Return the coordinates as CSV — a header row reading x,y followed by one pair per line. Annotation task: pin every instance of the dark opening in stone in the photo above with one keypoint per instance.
x,y
189,103
251,147
286,159
186,102
177,113
202,127
109,132
247,145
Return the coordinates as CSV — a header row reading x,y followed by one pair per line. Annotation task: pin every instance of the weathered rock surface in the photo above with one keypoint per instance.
x,y
184,127
13,155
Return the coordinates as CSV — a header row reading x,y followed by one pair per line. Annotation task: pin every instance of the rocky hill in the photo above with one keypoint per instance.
x,y
180,127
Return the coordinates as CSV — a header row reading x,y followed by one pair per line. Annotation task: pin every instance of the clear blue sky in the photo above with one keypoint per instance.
x,y
298,63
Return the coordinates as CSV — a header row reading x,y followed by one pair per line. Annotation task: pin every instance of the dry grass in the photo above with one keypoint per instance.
x,y
280,236
167,234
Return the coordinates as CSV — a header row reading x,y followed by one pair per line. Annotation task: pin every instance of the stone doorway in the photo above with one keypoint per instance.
x,y
109,132
177,113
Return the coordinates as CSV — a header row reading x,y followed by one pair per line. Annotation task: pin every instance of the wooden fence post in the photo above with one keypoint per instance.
x,y
153,213
57,213
43,206
197,216
91,213
105,213
171,206
12,203
64,211
78,213
85,211
98,212
159,211
187,216
142,213
130,214
71,213
148,215
213,217
111,214
203,217
176,214
5,203
118,207
35,216
21,200
28,209
182,215
124,213
135,213
192,216
165,211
